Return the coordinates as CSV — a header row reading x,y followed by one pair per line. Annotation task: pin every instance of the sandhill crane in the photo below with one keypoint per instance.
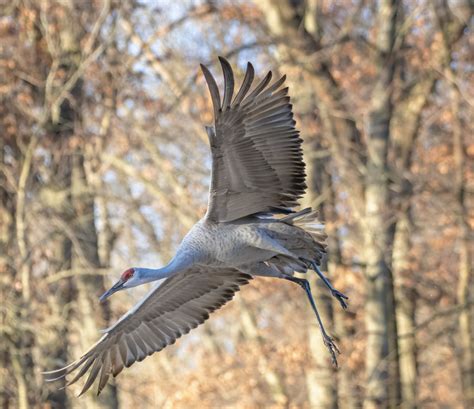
x,y
257,174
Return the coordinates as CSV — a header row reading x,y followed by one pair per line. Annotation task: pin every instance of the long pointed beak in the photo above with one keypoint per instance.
x,y
116,287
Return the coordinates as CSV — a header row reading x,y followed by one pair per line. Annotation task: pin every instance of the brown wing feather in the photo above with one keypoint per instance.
x,y
179,304
256,150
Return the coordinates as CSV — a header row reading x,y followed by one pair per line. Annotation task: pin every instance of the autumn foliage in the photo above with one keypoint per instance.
x,y
104,165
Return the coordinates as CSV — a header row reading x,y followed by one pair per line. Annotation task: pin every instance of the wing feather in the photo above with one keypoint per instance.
x,y
170,310
118,361
257,162
228,81
92,375
261,85
82,371
246,84
105,371
213,89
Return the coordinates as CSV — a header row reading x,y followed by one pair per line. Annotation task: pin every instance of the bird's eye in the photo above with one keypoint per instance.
x,y
127,274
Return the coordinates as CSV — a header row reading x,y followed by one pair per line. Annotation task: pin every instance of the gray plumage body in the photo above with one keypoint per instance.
x,y
247,243
257,175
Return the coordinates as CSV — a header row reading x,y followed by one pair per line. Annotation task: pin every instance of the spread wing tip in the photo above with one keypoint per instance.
x,y
59,373
100,363
228,82
213,89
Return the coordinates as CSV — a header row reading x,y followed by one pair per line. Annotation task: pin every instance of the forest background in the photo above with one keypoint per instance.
x,y
104,164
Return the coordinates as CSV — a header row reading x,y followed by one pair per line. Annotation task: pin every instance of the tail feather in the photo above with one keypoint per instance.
x,y
296,215
307,220
305,238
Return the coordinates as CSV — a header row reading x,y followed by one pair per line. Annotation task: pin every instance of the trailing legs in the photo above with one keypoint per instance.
x,y
328,341
335,293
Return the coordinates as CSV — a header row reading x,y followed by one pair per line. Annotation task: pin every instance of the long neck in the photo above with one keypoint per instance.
x,y
179,263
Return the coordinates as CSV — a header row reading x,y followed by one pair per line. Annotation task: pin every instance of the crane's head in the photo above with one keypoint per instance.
x,y
129,278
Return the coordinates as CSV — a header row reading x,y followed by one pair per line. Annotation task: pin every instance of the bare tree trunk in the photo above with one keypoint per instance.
x,y
405,128
382,350
56,204
271,377
451,27
85,256
7,275
320,376
346,393
82,232
17,333
382,355
406,307
466,260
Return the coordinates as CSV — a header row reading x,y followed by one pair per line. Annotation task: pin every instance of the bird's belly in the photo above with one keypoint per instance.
x,y
235,247
243,254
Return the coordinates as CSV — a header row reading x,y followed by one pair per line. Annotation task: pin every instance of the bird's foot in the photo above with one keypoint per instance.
x,y
332,347
340,297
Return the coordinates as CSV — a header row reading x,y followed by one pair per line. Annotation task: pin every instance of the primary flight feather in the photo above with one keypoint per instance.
x,y
257,174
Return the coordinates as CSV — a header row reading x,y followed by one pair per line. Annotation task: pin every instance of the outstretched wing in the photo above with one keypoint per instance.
x,y
257,161
170,310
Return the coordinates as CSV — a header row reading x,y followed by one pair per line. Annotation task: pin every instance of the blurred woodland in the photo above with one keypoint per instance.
x,y
104,165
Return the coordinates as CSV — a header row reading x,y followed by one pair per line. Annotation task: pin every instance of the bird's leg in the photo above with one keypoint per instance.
x,y
335,293
328,341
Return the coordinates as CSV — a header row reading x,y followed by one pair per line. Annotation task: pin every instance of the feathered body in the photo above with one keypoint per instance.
x,y
251,241
250,229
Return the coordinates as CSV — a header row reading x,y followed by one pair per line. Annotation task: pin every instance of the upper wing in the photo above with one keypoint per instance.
x,y
257,161
179,304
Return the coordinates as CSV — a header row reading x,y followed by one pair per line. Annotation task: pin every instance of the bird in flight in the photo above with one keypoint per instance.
x,y
250,229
